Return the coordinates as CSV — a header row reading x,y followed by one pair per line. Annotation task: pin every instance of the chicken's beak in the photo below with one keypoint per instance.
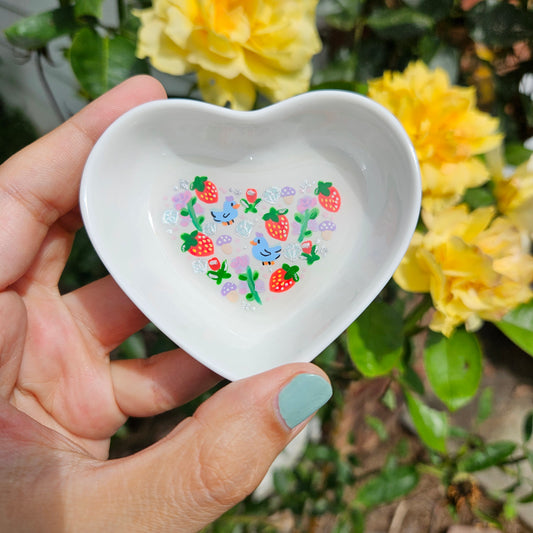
x,y
236,206
253,243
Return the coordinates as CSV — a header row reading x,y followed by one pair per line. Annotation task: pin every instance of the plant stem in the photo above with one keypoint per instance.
x,y
411,320
46,87
121,8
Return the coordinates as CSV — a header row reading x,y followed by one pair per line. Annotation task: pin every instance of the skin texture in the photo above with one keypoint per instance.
x,y
61,399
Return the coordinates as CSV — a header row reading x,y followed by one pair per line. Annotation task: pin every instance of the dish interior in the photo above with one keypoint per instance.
x,y
140,184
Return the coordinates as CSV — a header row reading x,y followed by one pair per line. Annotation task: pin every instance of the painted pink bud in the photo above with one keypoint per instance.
x,y
251,195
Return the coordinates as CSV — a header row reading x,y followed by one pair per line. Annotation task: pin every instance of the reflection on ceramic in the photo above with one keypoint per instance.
x,y
252,239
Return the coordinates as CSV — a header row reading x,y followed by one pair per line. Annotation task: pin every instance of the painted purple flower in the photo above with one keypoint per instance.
x,y
297,227
180,200
240,263
306,202
259,286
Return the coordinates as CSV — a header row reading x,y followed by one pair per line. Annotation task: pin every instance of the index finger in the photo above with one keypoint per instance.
x,y
40,184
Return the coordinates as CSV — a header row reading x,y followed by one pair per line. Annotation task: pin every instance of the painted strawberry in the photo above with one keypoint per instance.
x,y
328,196
197,244
284,278
277,224
205,189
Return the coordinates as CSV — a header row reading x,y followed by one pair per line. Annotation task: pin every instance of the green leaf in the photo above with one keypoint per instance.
x,y
432,425
35,32
527,429
88,8
284,482
528,498
133,347
338,70
479,197
340,85
509,508
517,325
100,63
484,408
529,457
453,366
375,340
493,454
412,380
500,24
389,485
399,24
389,399
340,14
437,9
377,425
517,153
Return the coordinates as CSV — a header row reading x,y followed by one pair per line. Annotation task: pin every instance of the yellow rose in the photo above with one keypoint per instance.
x,y
475,266
514,195
235,46
445,127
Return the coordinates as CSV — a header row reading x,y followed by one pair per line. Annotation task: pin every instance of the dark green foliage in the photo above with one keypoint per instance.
x,y
16,132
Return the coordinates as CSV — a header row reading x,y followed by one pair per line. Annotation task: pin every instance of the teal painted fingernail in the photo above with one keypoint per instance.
x,y
301,397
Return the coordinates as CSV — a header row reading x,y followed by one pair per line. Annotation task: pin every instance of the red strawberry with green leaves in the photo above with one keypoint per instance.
x,y
328,196
284,278
277,224
197,244
205,189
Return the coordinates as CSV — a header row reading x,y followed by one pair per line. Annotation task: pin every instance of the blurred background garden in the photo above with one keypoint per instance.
x,y
430,428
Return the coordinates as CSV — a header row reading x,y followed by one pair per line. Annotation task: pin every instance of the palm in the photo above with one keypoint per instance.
x,y
64,378
54,349
61,398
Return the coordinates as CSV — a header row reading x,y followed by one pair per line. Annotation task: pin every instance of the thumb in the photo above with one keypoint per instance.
x,y
214,459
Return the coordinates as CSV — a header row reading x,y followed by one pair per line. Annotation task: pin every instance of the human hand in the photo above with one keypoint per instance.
x,y
61,398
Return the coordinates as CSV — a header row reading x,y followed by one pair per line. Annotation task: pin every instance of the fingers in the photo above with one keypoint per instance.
x,y
210,461
105,312
147,387
13,322
40,184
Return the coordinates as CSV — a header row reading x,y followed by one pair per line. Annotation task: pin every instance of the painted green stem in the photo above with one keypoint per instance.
x,y
306,218
251,285
190,207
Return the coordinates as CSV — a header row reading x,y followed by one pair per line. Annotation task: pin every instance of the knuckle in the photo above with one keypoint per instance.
x,y
225,475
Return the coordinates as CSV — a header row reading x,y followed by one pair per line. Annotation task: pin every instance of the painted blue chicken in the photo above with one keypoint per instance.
x,y
228,214
263,252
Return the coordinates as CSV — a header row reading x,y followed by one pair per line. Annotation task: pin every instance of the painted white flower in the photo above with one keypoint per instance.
x,y
272,195
170,217
200,266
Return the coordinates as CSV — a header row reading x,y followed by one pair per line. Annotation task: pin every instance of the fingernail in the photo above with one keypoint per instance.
x,y
301,397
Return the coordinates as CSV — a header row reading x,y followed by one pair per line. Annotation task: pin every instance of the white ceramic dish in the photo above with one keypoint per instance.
x,y
141,215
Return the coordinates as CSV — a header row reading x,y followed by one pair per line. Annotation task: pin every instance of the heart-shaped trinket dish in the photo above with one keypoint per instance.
x,y
252,239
